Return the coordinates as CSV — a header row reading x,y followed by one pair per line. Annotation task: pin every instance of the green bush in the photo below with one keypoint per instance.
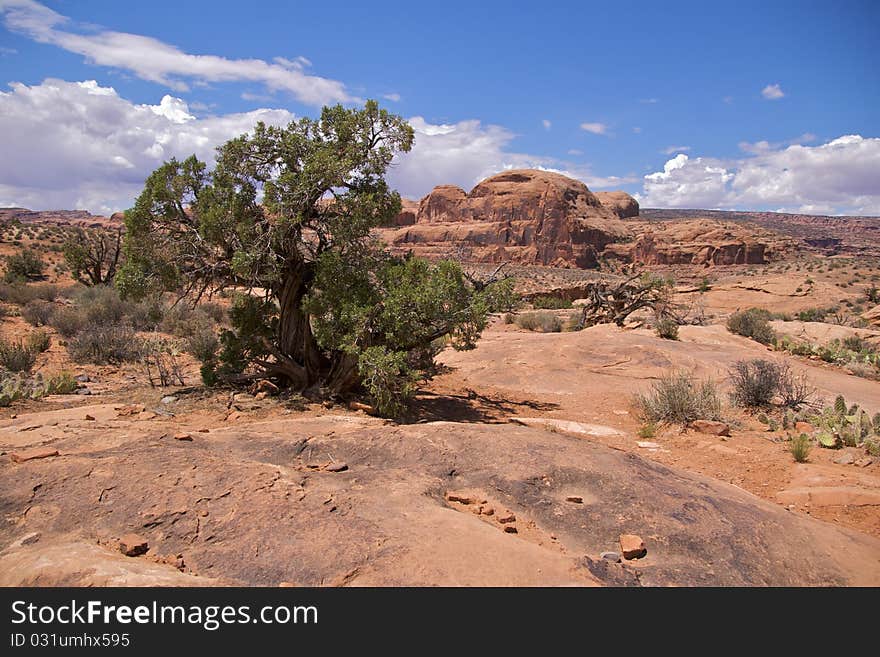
x,y
647,430
667,329
387,378
25,265
39,341
38,312
800,448
550,303
752,323
17,356
815,314
755,382
103,344
678,398
539,321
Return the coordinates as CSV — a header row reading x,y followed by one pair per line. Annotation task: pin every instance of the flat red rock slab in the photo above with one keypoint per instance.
x,y
33,454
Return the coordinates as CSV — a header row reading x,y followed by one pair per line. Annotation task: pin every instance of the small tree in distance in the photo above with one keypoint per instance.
x,y
93,255
286,214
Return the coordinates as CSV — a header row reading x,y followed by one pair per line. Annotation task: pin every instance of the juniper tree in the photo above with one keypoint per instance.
x,y
93,255
286,214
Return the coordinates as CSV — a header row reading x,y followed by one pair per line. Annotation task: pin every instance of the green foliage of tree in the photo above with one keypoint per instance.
x,y
26,265
286,214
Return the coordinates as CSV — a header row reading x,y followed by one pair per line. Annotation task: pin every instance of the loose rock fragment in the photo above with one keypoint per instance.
x,y
133,545
183,436
711,427
632,546
33,454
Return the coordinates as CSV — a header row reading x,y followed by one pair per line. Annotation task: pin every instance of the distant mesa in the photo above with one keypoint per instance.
x,y
61,217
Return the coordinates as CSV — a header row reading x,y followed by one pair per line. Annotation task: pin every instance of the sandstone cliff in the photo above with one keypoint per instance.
x,y
525,216
696,242
621,203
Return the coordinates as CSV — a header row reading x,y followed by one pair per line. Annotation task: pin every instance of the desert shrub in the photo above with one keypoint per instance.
x,y
102,305
550,303
102,344
752,323
146,315
667,328
21,294
203,343
575,322
25,265
815,314
539,321
755,382
182,320
678,398
160,359
17,356
647,430
39,341
793,389
215,311
509,318
800,448
38,312
68,321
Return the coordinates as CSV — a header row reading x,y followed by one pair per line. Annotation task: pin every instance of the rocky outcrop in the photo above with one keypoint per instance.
x,y
621,203
696,242
525,216
407,214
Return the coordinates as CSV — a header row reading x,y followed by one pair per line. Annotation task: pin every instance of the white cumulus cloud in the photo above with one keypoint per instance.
x,y
156,61
772,92
78,145
841,176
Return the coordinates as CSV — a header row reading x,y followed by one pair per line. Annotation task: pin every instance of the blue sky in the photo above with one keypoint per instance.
x,y
747,105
